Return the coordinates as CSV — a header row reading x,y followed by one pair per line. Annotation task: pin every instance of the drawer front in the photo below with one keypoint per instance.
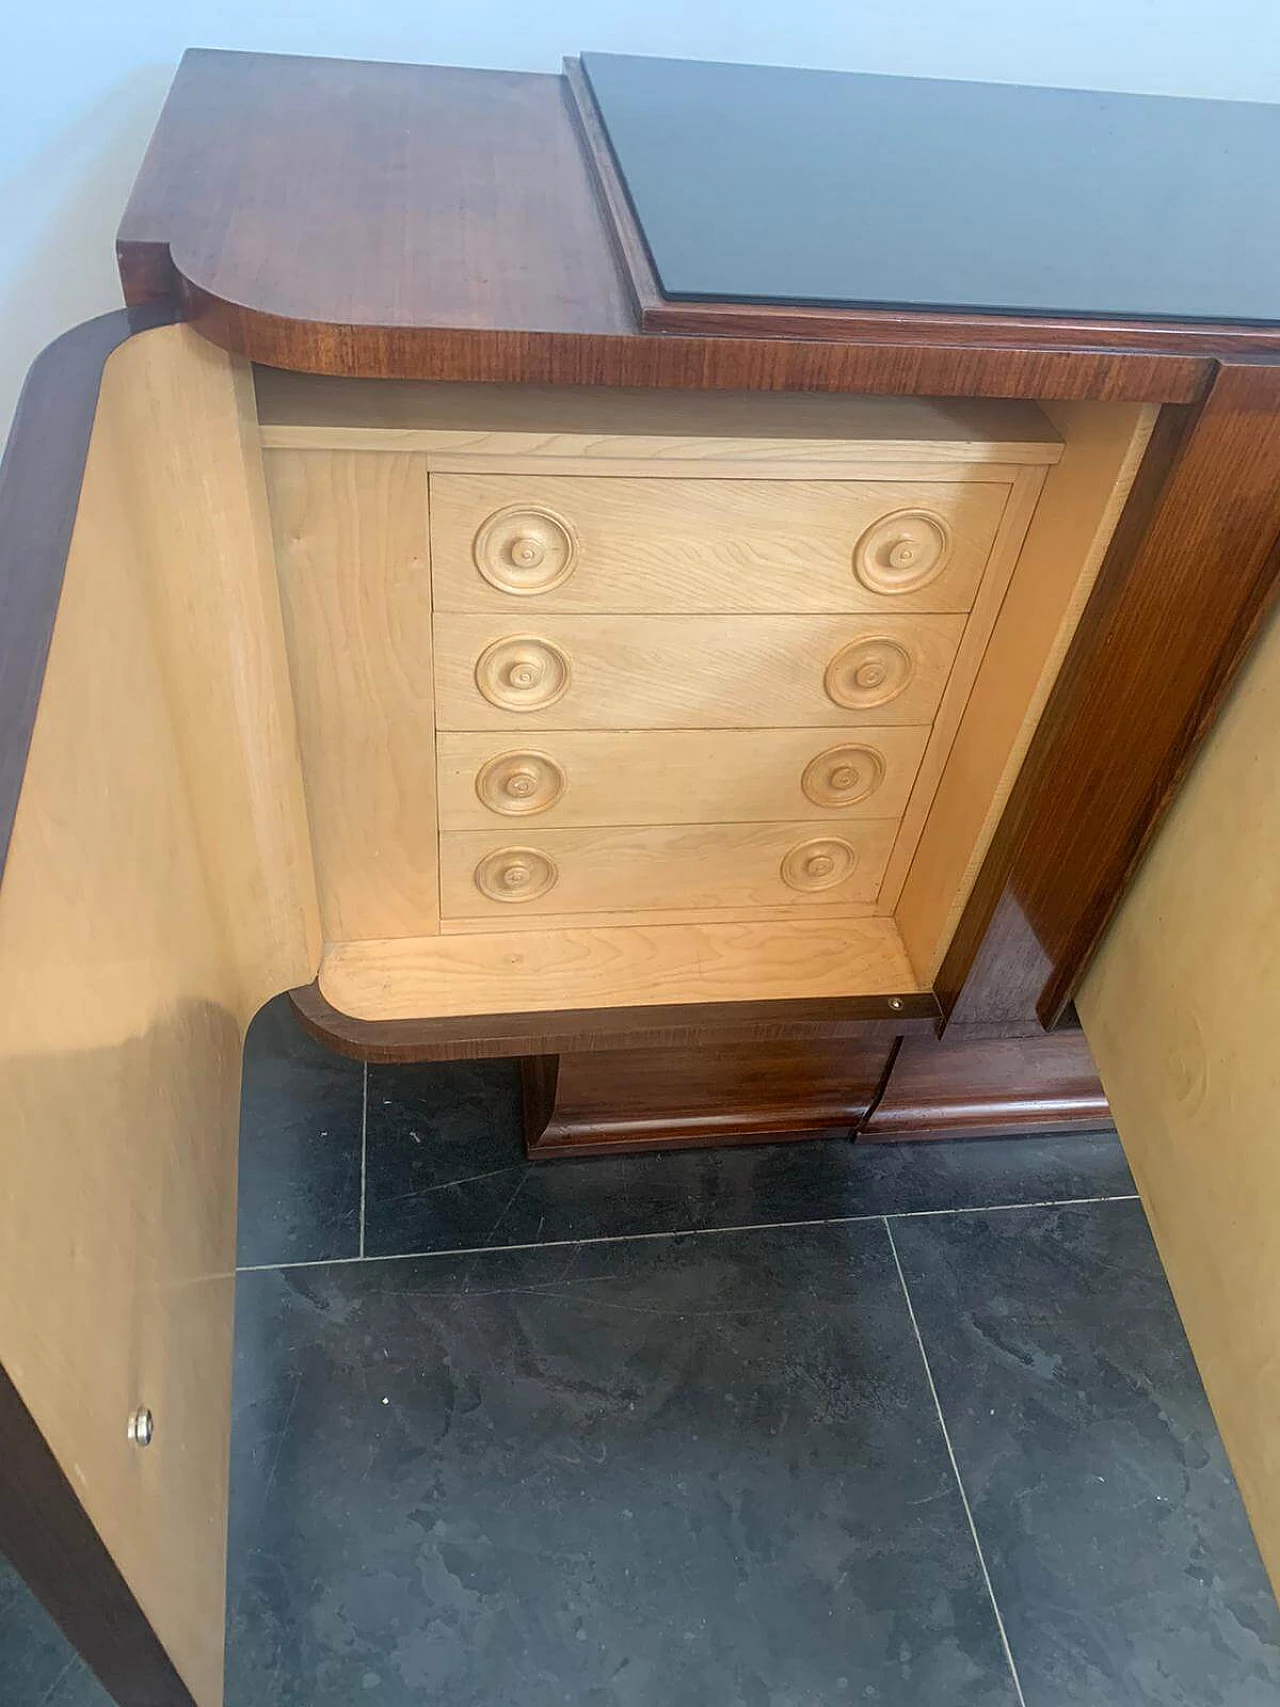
x,y
655,672
675,776
605,544
634,869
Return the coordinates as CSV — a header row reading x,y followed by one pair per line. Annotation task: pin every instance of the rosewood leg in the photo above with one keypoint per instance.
x,y
647,1099
989,1087
664,1099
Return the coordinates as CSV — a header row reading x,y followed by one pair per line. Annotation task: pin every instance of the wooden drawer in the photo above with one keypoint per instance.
x,y
634,869
675,776
673,672
617,544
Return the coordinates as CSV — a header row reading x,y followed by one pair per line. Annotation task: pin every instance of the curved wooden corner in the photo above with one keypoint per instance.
x,y
40,478
711,1025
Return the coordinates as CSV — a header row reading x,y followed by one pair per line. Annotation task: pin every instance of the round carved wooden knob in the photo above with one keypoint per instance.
x,y
902,552
522,673
516,874
517,784
842,776
868,673
819,864
525,550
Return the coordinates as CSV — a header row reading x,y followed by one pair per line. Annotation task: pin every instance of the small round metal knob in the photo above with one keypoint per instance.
x,y
142,1427
902,552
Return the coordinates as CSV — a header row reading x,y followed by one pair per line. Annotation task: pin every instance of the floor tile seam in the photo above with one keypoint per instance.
x,y
955,1469
681,1233
364,1153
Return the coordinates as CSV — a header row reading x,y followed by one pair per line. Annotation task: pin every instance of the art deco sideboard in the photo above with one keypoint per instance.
x,y
747,709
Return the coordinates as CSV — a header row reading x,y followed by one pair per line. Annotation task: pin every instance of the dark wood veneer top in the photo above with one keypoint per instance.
x,y
416,221
764,184
350,193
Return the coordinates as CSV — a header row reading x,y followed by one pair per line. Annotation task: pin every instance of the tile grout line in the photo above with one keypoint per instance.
x,y
955,1468
364,1152
681,1233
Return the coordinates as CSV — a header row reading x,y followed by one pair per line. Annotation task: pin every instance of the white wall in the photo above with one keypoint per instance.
x,y
81,82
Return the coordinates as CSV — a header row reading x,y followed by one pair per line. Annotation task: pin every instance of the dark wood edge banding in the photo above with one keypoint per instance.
x,y
48,1538
44,1530
709,1024
897,369
1190,573
40,478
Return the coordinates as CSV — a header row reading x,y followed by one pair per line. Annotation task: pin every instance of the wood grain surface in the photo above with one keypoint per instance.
x,y
444,224
638,1099
45,1531
1191,571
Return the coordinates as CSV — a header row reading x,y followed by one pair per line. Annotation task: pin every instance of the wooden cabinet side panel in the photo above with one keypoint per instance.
x,y
1180,1010
183,416
351,547
157,888
1063,551
119,1081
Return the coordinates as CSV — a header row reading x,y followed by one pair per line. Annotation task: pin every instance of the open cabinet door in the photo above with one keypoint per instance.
x,y
155,888
1182,1009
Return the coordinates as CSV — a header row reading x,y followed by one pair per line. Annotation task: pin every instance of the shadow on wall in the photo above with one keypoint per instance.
x,y
57,249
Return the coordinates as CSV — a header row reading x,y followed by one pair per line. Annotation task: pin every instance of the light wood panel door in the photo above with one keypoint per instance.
x,y
1181,1008
157,889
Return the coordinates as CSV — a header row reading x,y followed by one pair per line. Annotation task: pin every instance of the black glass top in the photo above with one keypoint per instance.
x,y
762,184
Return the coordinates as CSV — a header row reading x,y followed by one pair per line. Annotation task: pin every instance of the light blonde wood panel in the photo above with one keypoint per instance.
x,y
675,776
969,660
1180,1008
121,1001
351,547
600,424
196,492
583,672
1065,545
630,965
503,541
698,866
513,919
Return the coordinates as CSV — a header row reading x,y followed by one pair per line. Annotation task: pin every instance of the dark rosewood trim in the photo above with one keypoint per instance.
x,y
707,1025
891,369
1190,575
966,1087
40,478
656,312
51,1543
628,1100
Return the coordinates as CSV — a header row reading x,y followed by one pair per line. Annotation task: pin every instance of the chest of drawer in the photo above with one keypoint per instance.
x,y
616,544
634,869
672,776
654,672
